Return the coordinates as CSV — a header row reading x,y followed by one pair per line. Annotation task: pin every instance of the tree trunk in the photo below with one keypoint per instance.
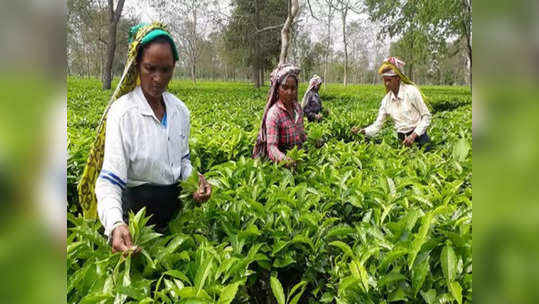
x,y
469,52
194,54
114,17
256,80
411,76
111,48
87,63
285,31
213,69
468,33
256,61
440,80
344,12
327,51
193,73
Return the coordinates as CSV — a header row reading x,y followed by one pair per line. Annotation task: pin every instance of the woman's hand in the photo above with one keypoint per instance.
x,y
289,163
409,140
326,111
121,240
203,192
320,143
356,130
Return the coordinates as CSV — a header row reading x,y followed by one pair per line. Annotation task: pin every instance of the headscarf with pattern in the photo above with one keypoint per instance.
x,y
138,36
278,75
316,80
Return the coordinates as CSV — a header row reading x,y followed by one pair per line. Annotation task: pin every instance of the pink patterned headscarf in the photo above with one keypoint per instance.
x,y
278,75
316,80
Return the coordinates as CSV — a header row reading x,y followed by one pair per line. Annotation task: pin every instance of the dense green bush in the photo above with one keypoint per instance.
x,y
358,220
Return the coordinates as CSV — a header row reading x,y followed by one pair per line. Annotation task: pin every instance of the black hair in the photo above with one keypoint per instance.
x,y
158,39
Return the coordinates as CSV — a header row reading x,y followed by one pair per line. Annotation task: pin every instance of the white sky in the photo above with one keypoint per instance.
x,y
140,9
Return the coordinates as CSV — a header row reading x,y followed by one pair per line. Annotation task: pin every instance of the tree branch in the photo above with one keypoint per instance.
x,y
111,10
311,10
119,9
285,32
271,27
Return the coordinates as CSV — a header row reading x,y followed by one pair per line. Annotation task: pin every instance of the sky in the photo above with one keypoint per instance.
x,y
140,9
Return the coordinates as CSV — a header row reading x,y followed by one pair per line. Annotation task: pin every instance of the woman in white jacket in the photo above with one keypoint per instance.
x,y
146,149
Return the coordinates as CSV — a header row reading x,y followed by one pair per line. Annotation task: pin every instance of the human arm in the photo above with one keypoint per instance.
x,y
110,184
419,104
374,128
272,137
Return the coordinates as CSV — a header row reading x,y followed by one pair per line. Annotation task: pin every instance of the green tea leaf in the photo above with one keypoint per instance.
x,y
397,295
296,298
95,298
192,293
456,291
419,271
449,263
277,289
360,273
296,287
228,293
429,296
419,239
344,247
390,278
392,256
460,151
178,275
202,274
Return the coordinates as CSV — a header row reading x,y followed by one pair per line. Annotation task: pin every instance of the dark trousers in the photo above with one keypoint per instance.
x,y
422,141
162,202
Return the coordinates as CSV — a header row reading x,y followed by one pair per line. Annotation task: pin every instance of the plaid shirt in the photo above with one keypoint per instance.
x,y
284,131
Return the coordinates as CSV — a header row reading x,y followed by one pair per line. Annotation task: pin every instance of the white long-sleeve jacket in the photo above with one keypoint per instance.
x,y
140,149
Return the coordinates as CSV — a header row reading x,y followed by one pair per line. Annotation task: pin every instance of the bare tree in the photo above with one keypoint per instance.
x,y
293,7
344,7
467,31
114,17
330,14
257,66
189,21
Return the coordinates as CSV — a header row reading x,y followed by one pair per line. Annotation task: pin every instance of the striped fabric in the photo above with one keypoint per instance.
x,y
113,178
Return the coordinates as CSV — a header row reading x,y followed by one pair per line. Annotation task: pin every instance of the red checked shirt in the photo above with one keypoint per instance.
x,y
284,130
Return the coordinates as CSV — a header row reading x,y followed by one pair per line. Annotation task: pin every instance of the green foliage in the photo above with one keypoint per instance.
x,y
425,28
358,221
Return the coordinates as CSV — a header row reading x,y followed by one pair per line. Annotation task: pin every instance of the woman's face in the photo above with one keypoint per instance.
x,y
288,92
155,69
